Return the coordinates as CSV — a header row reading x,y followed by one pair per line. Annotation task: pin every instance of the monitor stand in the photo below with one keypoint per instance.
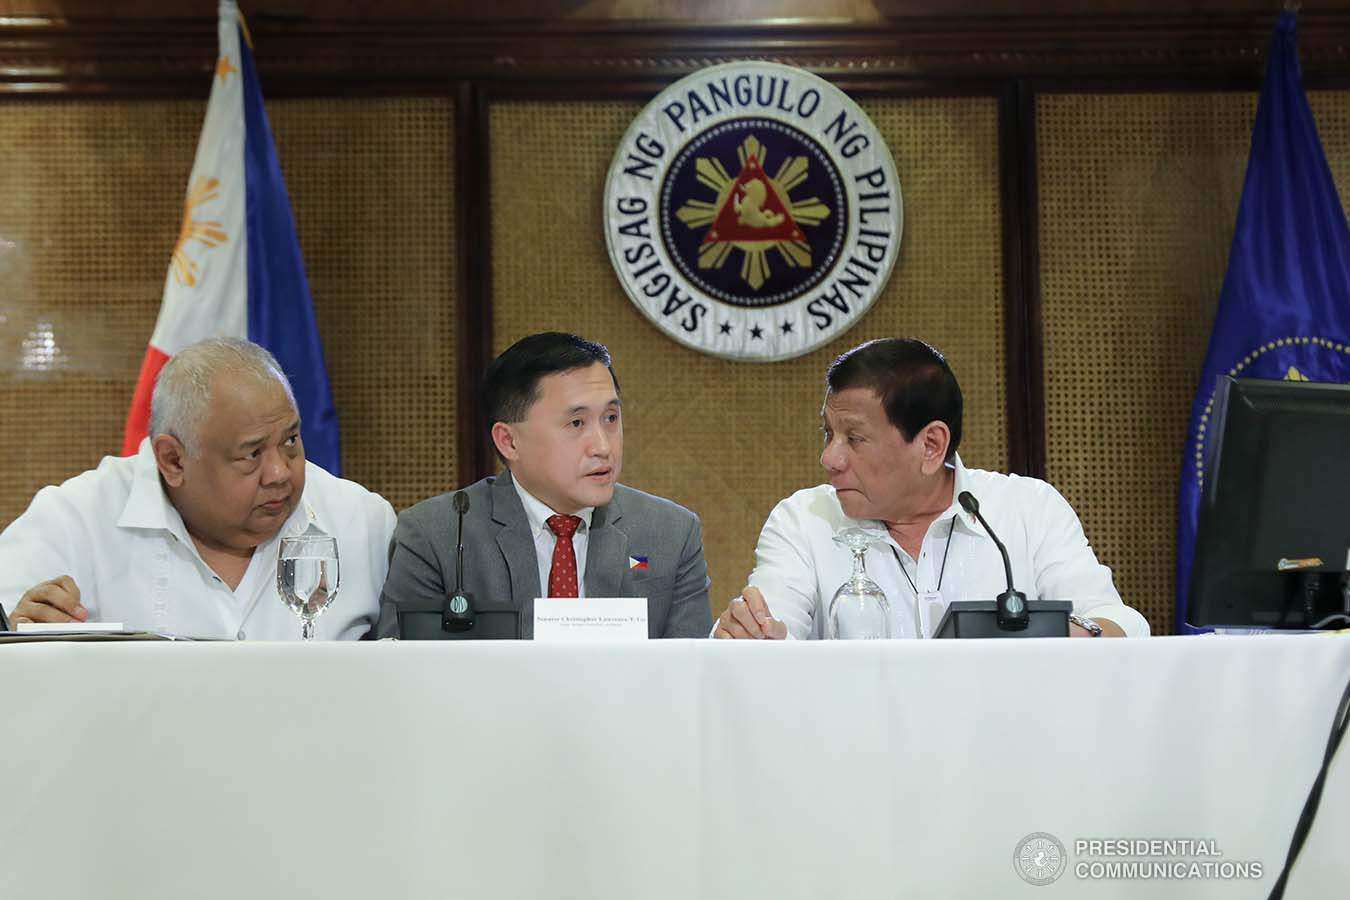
x,y
1315,590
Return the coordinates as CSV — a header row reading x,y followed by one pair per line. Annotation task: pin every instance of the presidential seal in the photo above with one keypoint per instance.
x,y
1040,858
752,211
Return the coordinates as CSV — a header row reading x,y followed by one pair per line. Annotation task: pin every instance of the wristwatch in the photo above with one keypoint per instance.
x,y
1090,626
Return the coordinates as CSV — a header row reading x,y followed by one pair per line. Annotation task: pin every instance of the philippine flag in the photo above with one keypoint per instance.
x,y
236,269
637,562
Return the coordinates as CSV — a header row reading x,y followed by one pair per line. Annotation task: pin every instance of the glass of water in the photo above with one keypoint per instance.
x,y
307,575
859,610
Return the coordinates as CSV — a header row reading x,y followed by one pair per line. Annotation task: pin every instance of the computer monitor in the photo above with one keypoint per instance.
x,y
1277,487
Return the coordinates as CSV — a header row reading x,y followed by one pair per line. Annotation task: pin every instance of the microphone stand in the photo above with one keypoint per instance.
x,y
1010,606
458,613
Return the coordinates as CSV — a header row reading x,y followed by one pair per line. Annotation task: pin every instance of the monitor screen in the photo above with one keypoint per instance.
x,y
1277,487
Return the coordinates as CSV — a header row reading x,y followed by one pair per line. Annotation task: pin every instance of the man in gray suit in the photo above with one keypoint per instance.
x,y
556,524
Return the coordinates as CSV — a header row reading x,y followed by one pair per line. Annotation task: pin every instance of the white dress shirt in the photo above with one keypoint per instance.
x,y
115,532
538,513
798,566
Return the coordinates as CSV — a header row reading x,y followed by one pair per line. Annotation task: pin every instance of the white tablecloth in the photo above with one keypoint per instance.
x,y
662,770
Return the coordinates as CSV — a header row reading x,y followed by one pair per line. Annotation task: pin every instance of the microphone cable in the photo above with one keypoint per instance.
x,y
1339,725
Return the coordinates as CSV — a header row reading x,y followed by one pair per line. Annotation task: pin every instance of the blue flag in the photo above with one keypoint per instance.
x,y
1285,308
280,313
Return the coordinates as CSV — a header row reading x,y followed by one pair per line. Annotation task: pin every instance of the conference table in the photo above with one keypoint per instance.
x,y
671,769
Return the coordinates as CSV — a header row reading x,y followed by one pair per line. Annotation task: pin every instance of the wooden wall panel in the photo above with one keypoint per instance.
x,y
1138,200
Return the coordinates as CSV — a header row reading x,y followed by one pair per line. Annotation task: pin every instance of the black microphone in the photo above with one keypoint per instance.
x,y
457,614
1011,605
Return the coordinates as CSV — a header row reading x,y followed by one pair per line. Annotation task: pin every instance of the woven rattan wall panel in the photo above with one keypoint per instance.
x,y
90,203
730,439
1138,198
91,197
372,187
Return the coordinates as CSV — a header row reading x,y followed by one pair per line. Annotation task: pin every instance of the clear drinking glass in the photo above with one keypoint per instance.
x,y
859,610
307,575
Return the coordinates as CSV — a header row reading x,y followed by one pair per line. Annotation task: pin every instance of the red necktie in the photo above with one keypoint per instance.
x,y
562,578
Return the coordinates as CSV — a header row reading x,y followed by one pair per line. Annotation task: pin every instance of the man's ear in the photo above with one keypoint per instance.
x,y
170,457
936,437
504,439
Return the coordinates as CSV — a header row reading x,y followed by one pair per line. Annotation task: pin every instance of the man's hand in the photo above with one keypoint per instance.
x,y
57,600
748,617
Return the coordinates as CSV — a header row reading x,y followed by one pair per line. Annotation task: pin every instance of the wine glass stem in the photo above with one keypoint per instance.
x,y
307,633
859,563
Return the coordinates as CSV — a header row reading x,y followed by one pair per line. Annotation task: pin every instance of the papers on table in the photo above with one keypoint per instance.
x,y
68,627
31,632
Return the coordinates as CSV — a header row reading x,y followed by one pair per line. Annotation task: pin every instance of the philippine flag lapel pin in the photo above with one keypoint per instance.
x,y
637,562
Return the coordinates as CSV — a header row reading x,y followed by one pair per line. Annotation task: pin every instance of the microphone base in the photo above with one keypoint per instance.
x,y
1011,610
457,615
979,619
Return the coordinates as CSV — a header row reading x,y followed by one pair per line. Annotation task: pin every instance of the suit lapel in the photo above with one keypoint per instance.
x,y
517,546
606,552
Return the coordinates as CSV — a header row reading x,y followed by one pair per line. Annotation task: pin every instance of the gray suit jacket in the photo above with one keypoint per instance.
x,y
501,571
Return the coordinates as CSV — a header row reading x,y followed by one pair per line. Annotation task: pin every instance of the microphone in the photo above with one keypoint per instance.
x,y
1011,605
458,614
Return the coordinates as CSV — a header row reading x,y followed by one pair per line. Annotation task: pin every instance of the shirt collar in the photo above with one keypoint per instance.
x,y
960,484
537,512
148,504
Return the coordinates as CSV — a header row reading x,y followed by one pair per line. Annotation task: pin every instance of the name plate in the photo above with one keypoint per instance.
x,y
590,619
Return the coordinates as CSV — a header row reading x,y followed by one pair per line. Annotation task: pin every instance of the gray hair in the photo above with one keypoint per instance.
x,y
182,396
